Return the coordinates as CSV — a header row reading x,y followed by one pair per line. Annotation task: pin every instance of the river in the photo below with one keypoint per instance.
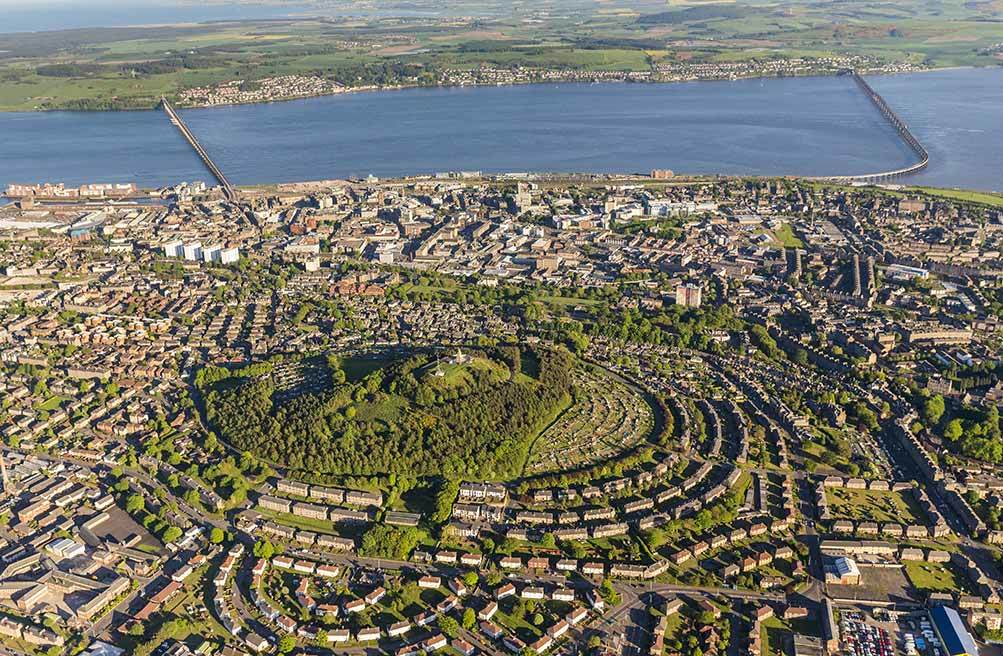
x,y
796,126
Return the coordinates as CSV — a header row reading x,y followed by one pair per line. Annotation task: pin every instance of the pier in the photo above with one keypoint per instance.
x,y
228,189
900,127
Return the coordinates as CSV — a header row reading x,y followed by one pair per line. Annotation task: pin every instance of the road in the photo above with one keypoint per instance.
x,y
629,620
137,479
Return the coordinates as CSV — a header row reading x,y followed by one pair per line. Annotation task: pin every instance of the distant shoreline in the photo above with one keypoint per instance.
x,y
405,87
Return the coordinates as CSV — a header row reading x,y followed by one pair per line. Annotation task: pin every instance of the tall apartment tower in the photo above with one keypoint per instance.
x,y
689,295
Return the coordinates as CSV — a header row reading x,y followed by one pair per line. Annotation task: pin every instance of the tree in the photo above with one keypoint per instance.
x,y
172,533
481,432
537,619
933,409
444,499
216,535
382,541
409,594
174,628
469,619
286,644
470,579
575,549
192,498
264,549
449,626
765,342
578,342
609,593
953,430
135,503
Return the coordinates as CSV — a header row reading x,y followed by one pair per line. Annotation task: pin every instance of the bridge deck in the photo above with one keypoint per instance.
x,y
900,127
228,189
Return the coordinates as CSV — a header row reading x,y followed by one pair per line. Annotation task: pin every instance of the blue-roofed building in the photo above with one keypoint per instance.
x,y
955,637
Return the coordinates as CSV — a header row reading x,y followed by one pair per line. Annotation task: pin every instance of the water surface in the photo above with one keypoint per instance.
x,y
799,126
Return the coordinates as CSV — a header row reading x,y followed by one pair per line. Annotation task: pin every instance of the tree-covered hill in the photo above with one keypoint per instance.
x,y
417,416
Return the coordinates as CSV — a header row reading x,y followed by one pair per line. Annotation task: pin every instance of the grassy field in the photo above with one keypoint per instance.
x,y
774,633
444,376
568,301
518,625
613,59
357,368
50,404
996,200
814,451
870,505
935,577
385,410
784,235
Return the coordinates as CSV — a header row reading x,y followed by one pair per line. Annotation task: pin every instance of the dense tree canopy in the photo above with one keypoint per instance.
x,y
398,419
382,541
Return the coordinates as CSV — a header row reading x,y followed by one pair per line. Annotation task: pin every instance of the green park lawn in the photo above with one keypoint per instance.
x,y
870,505
935,577
785,236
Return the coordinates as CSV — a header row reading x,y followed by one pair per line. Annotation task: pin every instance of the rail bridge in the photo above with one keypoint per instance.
x,y
923,157
228,189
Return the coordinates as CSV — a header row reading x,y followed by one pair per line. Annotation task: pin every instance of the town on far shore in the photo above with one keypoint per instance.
x,y
625,415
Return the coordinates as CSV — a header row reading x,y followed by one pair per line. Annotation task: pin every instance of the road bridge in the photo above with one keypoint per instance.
x,y
923,157
228,189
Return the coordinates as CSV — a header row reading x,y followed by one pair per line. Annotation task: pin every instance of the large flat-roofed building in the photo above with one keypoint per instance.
x,y
903,272
842,571
939,336
951,630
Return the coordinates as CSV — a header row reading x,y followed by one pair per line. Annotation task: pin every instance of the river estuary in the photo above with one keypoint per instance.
x,y
800,126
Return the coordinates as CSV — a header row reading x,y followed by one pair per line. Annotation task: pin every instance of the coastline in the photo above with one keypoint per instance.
x,y
145,196
477,85
663,107
405,87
